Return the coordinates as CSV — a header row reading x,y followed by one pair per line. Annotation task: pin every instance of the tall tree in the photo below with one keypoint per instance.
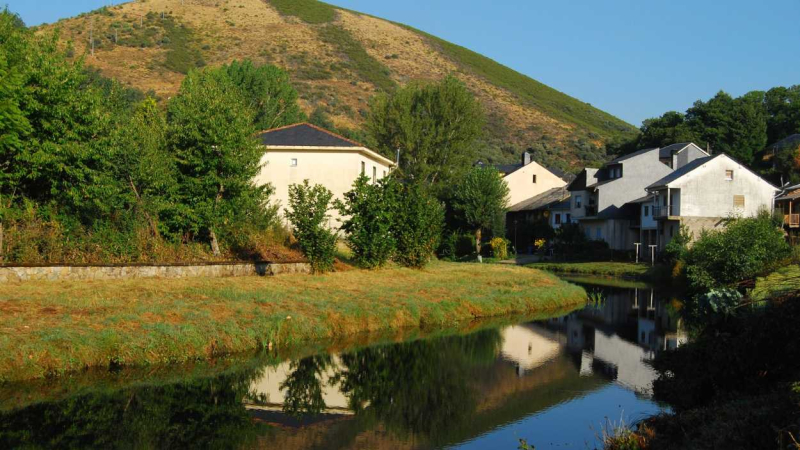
x,y
480,200
210,131
269,93
668,129
783,111
434,126
144,165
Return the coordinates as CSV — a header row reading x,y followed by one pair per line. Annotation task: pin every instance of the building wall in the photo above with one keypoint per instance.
x,y
336,170
705,192
521,186
574,210
638,173
687,155
647,220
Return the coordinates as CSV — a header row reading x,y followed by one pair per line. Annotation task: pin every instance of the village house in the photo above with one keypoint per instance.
x,y
604,200
529,179
702,194
788,205
305,152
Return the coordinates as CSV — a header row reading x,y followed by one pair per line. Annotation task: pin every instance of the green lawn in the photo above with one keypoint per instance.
x,y
51,328
608,269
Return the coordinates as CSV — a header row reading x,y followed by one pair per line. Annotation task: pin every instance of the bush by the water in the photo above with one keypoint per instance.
x,y
744,249
418,225
370,209
499,248
308,214
456,245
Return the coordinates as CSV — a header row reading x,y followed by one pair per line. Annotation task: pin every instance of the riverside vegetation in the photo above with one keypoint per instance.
x,y
53,328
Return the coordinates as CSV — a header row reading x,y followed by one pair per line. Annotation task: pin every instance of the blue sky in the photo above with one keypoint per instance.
x,y
635,59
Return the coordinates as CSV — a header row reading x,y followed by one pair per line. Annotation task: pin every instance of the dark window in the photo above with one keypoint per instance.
x,y
558,217
363,168
534,178
646,211
374,173
569,218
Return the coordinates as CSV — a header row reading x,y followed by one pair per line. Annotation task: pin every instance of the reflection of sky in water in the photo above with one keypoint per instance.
x,y
574,424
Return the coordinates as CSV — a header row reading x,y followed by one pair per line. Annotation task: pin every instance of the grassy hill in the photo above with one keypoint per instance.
x,y
338,59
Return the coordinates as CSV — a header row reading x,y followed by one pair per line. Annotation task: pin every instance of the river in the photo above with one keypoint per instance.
x,y
557,383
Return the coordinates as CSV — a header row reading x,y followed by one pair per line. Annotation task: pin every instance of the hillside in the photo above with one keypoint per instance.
x,y
337,59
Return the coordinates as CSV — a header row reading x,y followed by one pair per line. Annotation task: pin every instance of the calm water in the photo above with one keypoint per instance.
x,y
554,383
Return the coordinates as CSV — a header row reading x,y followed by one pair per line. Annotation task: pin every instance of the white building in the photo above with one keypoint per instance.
x,y
306,152
703,193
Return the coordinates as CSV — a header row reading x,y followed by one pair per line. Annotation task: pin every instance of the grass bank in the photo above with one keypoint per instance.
x,y
607,269
53,328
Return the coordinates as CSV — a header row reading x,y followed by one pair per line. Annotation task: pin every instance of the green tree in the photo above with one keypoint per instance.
x,y
668,129
435,127
269,93
783,111
418,224
308,214
480,200
210,132
144,165
369,210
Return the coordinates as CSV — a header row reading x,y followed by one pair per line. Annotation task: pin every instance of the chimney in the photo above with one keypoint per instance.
x,y
526,158
708,148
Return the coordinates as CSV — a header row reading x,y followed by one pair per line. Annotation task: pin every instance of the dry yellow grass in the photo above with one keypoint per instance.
x,y
55,327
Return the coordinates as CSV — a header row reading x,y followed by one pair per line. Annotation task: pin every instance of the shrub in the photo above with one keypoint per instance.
x,y
419,219
308,214
745,248
457,245
499,248
370,210
678,247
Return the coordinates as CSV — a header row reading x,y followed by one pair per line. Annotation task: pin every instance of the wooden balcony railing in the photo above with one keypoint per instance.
x,y
792,220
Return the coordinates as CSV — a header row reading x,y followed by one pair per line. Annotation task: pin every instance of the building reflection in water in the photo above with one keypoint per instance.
x,y
620,335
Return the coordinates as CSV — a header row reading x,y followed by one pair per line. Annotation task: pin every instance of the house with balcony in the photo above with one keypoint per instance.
x,y
606,201
703,194
788,205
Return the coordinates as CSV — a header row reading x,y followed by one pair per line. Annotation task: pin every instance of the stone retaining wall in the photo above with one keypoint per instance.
x,y
53,273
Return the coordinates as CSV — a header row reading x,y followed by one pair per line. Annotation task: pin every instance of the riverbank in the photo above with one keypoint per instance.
x,y
606,269
53,328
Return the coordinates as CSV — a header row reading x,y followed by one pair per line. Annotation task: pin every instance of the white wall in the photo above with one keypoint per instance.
x,y
521,186
705,192
336,170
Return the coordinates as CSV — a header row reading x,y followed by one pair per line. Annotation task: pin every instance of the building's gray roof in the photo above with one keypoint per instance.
x,y
668,151
506,169
543,200
682,171
631,155
791,141
644,199
304,135
790,196
566,176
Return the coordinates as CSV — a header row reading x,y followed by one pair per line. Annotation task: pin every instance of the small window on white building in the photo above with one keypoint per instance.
x,y
646,211
534,178
384,174
363,168
578,201
293,162
728,175
374,173
738,201
557,217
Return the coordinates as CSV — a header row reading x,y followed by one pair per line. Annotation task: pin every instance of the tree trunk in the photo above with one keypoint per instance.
x,y
478,241
153,226
214,243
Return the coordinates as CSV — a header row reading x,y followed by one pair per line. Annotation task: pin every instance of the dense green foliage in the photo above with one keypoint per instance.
x,y
358,60
309,11
369,210
480,200
746,248
270,95
678,247
418,225
434,126
94,172
308,214
544,98
740,127
731,386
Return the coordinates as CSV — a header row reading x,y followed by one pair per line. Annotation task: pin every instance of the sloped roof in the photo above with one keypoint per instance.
x,y
631,155
667,152
506,169
791,141
566,176
304,135
644,199
546,198
586,177
682,171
